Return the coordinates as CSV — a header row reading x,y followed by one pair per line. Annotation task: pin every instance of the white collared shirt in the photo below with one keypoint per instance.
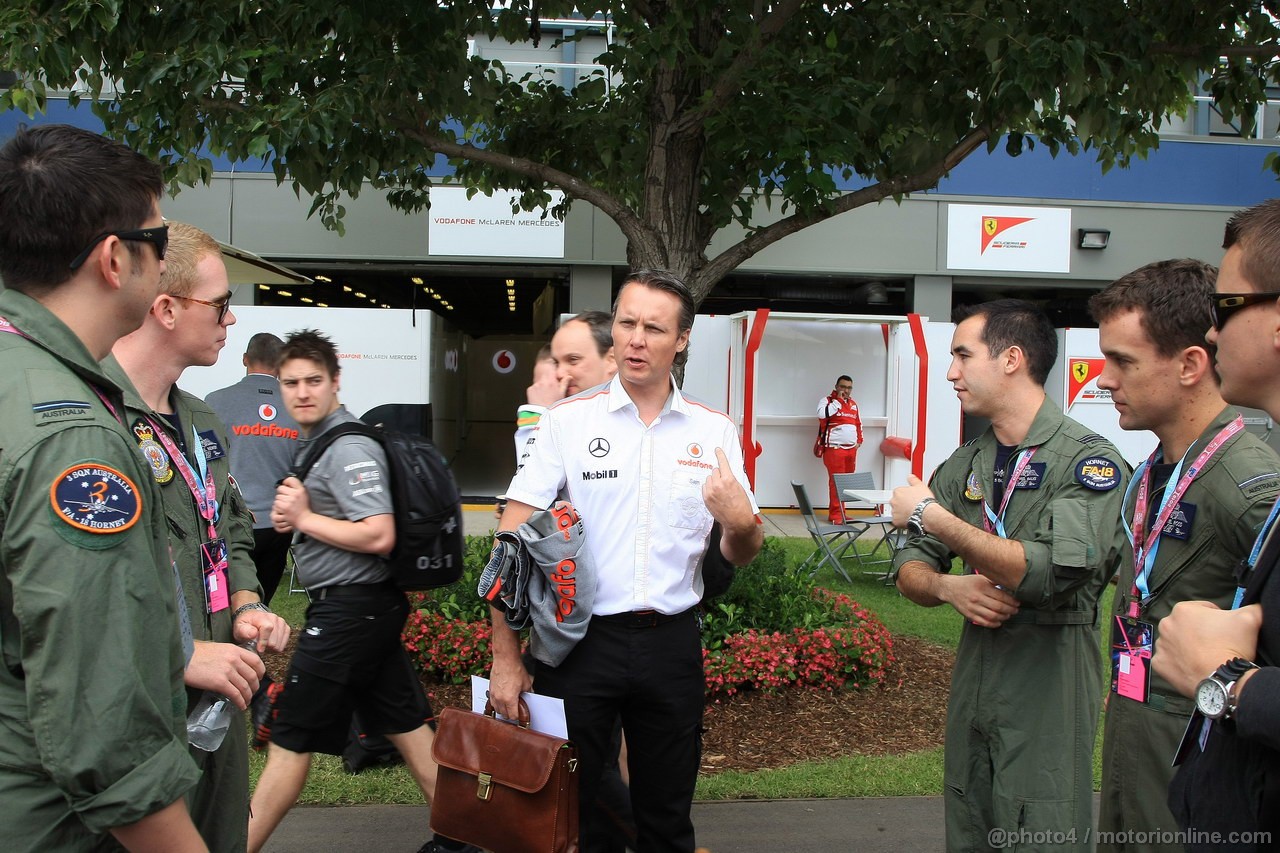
x,y
638,489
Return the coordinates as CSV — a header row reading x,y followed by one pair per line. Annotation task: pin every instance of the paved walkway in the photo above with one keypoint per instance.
x,y
888,825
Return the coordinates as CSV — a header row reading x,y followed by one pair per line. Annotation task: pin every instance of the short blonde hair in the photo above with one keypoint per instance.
x,y
188,245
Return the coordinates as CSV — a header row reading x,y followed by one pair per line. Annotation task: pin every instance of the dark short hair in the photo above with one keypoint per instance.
x,y
668,282
313,346
1173,300
1016,322
60,188
264,348
601,326
844,377
1256,231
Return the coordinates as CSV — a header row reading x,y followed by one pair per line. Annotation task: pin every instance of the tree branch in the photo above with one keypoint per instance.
x,y
735,255
625,217
1254,51
729,83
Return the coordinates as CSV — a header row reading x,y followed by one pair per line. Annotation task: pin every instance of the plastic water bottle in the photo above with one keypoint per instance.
x,y
210,720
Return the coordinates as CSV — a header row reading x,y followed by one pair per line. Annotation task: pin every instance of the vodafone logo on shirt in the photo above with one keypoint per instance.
x,y
268,412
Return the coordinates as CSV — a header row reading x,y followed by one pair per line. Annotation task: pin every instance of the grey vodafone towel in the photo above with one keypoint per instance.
x,y
542,575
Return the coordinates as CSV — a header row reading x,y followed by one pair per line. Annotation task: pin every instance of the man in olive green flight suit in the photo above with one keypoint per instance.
x,y
91,700
1026,687
1160,374
185,446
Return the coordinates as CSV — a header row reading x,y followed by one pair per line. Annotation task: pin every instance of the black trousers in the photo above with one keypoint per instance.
x,y
648,671
270,551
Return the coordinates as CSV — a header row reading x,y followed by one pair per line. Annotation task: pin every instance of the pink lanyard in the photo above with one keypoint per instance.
x,y
992,522
206,499
7,326
1144,552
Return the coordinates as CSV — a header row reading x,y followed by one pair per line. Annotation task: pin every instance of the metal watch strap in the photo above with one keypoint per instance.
x,y
916,522
252,605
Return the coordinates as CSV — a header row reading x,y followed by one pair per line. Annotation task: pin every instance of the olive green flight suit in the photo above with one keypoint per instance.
x,y
92,708
1024,700
219,803
1226,506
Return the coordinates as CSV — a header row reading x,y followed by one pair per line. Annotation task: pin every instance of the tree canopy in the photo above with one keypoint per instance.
x,y
702,107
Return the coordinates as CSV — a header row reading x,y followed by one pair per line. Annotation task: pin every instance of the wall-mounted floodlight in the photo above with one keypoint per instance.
x,y
1092,238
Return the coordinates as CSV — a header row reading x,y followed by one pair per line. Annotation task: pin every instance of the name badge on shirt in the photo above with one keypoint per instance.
x,y
1179,524
1031,476
1132,641
213,563
212,447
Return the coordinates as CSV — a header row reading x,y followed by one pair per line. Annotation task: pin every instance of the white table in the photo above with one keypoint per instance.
x,y
871,496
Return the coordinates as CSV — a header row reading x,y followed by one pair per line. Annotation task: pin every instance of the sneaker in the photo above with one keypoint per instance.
x,y
435,846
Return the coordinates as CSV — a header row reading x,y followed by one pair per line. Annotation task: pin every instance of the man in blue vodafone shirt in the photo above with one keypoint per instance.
x,y
650,471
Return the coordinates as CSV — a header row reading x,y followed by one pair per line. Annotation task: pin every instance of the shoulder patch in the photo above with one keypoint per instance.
x,y
94,501
1260,484
1091,438
1098,473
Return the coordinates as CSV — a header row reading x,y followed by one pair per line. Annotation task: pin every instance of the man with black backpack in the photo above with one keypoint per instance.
x,y
349,656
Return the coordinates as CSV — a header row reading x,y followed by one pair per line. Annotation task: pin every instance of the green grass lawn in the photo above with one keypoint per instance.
x,y
913,774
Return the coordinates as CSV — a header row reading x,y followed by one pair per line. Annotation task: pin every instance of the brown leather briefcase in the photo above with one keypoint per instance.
x,y
502,786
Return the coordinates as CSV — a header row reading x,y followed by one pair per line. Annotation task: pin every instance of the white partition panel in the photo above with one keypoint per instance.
x,y
384,354
782,365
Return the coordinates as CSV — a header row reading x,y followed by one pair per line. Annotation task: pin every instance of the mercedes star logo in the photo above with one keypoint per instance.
x,y
598,447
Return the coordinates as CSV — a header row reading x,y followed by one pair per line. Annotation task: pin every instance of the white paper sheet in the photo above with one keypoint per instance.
x,y
546,713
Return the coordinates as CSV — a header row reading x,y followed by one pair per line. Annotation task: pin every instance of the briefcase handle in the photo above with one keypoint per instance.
x,y
523,722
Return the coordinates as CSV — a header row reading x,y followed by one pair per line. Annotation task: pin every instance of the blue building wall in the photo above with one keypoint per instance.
x,y
1192,171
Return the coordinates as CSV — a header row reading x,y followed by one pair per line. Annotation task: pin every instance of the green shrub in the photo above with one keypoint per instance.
x,y
459,600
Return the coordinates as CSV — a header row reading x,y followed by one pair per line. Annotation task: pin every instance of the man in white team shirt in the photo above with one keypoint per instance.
x,y
649,471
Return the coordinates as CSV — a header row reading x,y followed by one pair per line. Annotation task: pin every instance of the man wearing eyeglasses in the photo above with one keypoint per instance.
x,y
211,529
91,699
839,437
1227,659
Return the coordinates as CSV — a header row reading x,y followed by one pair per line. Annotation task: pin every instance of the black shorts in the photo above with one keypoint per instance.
x,y
349,659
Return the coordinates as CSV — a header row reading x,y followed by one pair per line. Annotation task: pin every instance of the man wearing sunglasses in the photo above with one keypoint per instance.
x,y
1227,659
91,698
211,530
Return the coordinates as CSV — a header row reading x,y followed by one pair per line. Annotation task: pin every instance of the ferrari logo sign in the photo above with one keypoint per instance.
x,y
1082,384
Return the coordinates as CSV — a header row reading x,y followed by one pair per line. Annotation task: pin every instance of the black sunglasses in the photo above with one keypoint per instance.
x,y
1227,304
158,237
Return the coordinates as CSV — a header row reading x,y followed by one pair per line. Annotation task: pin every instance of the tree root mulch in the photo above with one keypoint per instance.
x,y
755,731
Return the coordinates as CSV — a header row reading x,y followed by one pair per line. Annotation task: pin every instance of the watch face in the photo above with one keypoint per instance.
x,y
1211,698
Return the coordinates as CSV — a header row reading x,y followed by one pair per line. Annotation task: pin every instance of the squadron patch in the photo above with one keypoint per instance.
x,y
973,487
153,452
95,499
1098,473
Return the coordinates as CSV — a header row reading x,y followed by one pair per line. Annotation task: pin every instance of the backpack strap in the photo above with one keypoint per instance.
x,y
326,438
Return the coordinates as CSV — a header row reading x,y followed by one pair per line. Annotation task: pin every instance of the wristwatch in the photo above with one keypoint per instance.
x,y
916,522
1216,696
252,605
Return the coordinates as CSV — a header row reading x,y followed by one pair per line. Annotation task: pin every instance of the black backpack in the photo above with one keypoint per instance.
x,y
428,509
